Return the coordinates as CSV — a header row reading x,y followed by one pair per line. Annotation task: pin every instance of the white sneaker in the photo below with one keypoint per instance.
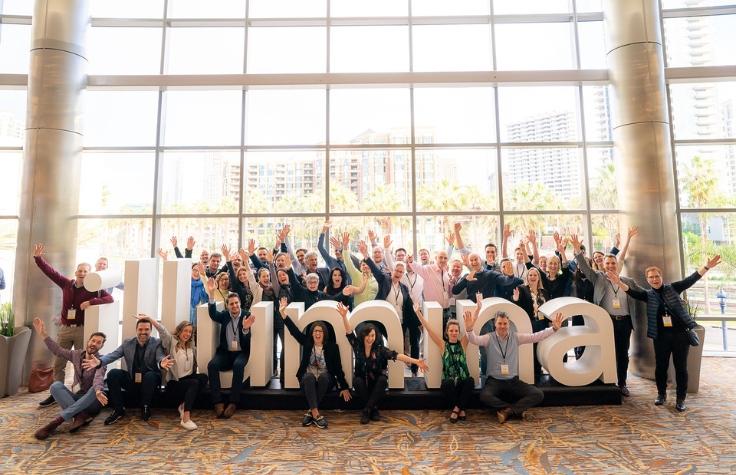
x,y
189,425
181,410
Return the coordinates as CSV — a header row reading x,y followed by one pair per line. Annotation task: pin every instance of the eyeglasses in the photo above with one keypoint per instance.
x,y
317,331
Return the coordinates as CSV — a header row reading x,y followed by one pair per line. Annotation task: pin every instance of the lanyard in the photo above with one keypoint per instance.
x,y
397,292
614,289
234,327
520,272
505,349
442,280
411,284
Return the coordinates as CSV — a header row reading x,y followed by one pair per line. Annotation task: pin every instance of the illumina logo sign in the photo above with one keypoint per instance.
x,y
141,286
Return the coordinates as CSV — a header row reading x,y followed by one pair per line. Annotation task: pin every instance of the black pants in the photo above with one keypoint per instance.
x,y
677,344
486,328
513,393
622,340
457,393
538,326
278,333
185,389
225,361
118,379
413,342
370,393
315,388
578,321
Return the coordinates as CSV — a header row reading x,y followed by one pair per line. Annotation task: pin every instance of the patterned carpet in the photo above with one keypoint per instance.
x,y
636,437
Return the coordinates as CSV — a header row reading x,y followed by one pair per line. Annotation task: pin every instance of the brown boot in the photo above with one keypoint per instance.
x,y
229,411
79,421
503,415
49,428
219,409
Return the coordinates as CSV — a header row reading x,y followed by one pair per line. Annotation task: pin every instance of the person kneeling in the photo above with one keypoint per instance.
x,y
232,352
320,367
502,350
144,358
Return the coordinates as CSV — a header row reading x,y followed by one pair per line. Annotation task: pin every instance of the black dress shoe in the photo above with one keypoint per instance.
x,y
661,399
375,415
146,413
49,401
365,416
114,417
680,405
625,391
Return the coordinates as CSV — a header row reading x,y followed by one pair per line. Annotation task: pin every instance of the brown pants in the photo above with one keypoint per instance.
x,y
67,338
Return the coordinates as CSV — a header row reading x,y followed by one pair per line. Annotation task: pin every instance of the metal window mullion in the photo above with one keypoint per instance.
x,y
242,193
412,136
328,91
499,163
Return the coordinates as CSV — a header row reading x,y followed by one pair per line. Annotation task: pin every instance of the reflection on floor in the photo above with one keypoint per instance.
x,y
636,437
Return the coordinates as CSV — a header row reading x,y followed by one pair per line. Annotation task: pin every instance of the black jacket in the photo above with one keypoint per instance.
x,y
223,318
332,355
384,287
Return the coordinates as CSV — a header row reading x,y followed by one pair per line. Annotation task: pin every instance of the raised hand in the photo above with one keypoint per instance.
x,y
363,249
613,277
167,362
335,243
248,322
342,310
38,250
211,285
478,302
286,230
633,231
617,240
225,251
450,238
506,231
575,242
40,327
713,261
174,242
345,240
557,238
532,237
251,247
516,294
326,226
202,270
163,254
372,236
91,362
387,241
190,243
283,303
557,321
457,227
469,320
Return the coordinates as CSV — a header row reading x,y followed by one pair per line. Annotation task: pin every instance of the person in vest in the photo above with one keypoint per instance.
x,y
668,325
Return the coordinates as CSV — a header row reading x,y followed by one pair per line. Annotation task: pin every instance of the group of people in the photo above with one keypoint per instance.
x,y
284,275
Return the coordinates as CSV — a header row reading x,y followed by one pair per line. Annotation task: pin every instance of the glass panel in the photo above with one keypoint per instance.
x,y
210,9
589,5
118,239
476,232
124,50
705,235
370,180
287,8
11,163
526,46
668,4
605,227
503,7
597,102
15,48
700,41
12,117
117,183
443,7
592,45
545,226
204,50
290,181
454,115
452,48
287,50
706,175
399,228
285,117
706,110
542,178
209,233
202,181
369,49
539,114
127,9
369,8
8,246
383,118
132,123
304,231
602,179
202,117
457,180
17,7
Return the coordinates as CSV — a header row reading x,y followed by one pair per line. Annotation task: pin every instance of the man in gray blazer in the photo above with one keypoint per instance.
x,y
144,358
620,306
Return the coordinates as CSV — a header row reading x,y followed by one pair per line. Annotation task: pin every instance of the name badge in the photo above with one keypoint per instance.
x,y
138,378
616,303
540,316
71,314
234,345
505,369
667,321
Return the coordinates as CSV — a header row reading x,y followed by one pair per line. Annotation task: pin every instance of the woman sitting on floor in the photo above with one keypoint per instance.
x,y
457,384
320,368
371,365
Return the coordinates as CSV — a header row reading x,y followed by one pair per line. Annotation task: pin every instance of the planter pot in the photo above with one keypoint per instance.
x,y
12,358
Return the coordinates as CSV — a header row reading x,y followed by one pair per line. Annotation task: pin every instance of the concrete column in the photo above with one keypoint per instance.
x,y
643,152
50,196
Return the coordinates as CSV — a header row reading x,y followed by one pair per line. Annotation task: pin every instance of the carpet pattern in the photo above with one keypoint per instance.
x,y
636,437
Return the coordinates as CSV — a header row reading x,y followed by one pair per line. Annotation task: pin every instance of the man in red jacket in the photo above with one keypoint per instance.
x,y
75,300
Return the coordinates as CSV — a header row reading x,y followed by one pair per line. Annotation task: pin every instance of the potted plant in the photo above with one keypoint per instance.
x,y
13,348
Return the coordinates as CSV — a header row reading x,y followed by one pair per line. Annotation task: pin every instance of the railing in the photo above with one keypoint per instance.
x,y
724,327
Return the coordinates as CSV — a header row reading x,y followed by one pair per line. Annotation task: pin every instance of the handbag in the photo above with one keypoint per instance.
x,y
40,379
